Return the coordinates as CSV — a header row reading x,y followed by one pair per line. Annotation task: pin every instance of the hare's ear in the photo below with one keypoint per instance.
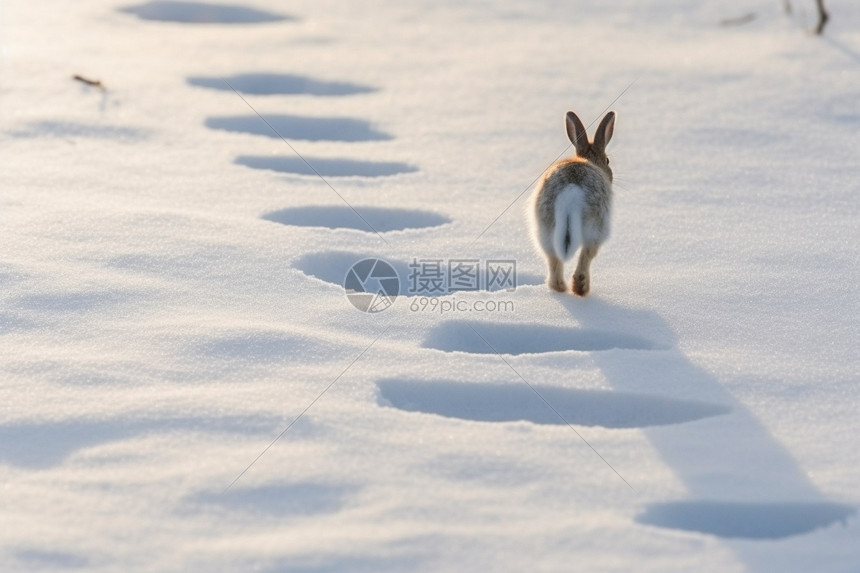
x,y
604,131
576,133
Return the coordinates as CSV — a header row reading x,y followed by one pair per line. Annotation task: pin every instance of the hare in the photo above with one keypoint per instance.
x,y
572,204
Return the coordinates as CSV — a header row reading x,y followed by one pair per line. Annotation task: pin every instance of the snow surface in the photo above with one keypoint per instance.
x,y
170,277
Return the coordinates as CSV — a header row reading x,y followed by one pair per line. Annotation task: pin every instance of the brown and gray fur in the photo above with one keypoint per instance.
x,y
572,205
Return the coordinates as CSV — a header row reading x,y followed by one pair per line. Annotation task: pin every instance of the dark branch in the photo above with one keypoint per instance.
x,y
823,17
89,82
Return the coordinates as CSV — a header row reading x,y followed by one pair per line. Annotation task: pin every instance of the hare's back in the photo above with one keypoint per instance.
x,y
577,172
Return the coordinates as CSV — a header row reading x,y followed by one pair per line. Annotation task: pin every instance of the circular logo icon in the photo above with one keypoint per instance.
x,y
371,285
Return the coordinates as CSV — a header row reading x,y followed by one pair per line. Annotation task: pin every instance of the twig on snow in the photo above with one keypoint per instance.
x,y
94,83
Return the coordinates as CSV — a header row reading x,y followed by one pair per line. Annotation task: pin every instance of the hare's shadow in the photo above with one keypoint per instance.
x,y
741,481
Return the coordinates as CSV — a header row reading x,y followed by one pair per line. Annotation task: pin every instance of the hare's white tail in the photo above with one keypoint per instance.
x,y
567,236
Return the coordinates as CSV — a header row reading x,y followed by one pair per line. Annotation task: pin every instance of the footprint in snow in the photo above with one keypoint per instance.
x,y
515,401
284,84
360,218
524,338
746,520
201,13
325,167
332,267
301,128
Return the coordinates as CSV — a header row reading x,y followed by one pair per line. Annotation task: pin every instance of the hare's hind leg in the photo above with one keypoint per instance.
x,y
582,274
555,275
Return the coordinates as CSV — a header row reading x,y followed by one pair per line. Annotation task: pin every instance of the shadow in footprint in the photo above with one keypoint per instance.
x,y
332,267
508,402
201,13
281,500
745,520
285,84
367,219
517,338
325,167
302,128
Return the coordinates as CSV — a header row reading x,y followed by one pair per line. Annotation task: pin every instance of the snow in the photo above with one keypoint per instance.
x,y
185,386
